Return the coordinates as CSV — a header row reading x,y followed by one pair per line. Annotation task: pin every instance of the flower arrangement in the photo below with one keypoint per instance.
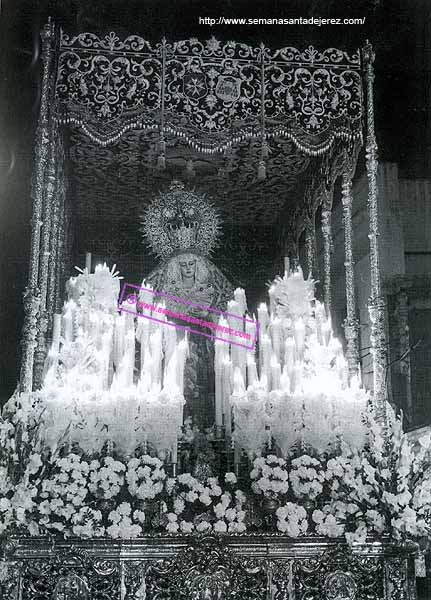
x,y
384,488
292,519
270,476
106,477
202,507
145,477
306,477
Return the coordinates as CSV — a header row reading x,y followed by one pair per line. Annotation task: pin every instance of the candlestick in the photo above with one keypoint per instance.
x,y
88,262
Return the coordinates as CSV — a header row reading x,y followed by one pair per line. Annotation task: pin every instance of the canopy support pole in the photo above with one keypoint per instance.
x,y
327,249
32,292
350,323
376,303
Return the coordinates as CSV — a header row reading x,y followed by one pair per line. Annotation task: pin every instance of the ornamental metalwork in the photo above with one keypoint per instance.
x,y
251,566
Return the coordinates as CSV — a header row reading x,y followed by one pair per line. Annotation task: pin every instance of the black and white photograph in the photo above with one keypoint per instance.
x,y
215,300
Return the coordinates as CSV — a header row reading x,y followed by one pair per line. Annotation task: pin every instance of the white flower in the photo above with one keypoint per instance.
x,y
139,515
170,484
179,505
186,527
220,510
203,526
191,496
230,478
230,514
205,499
220,527
172,527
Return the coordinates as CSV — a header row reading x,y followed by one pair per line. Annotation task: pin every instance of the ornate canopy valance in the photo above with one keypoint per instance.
x,y
213,94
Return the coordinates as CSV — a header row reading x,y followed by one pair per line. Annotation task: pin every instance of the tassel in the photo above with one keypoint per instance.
x,y
261,171
265,150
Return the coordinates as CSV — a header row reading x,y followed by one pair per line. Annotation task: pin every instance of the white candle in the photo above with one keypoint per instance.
x,y
241,299
343,371
175,452
250,329
251,370
265,368
326,331
319,320
227,391
296,380
286,266
88,262
130,349
285,381
56,333
68,326
156,355
183,350
276,331
299,333
218,353
272,302
262,317
120,327
289,355
238,384
275,373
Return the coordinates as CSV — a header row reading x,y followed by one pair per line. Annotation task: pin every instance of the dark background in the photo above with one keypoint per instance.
x,y
400,32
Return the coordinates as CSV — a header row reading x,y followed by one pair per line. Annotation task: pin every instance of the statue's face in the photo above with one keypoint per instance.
x,y
187,264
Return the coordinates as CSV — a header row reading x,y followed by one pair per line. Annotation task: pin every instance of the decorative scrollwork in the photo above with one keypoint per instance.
x,y
71,587
206,570
340,586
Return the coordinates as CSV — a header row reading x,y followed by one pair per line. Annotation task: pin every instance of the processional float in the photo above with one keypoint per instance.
x,y
216,99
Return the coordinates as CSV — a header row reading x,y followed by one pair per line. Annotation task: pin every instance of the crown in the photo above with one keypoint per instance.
x,y
180,220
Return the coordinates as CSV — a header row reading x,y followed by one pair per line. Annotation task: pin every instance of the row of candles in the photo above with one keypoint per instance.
x,y
277,364
159,376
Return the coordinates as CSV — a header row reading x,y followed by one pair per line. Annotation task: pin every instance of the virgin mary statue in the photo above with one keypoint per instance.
x,y
183,228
